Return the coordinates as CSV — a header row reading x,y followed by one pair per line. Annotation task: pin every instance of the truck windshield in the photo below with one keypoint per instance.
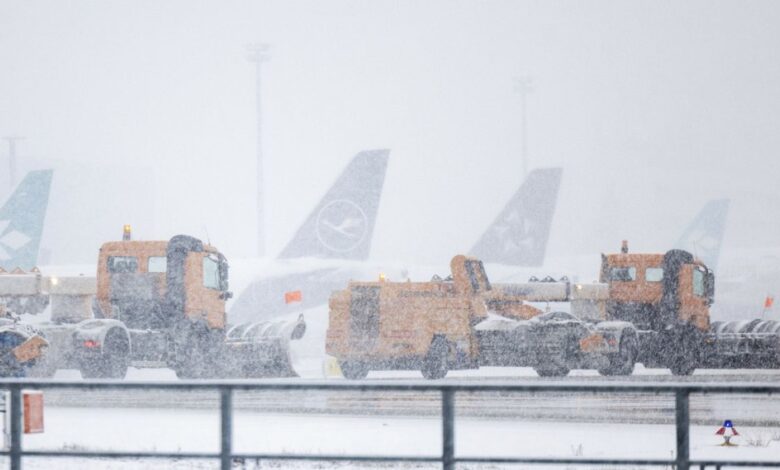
x,y
698,282
622,273
122,264
211,273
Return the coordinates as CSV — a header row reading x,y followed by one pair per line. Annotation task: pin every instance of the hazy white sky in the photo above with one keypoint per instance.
x,y
651,107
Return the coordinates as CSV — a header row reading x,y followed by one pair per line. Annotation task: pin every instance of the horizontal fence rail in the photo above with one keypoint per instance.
x,y
447,389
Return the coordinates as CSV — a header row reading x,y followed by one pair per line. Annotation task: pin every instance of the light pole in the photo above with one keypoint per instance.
x,y
258,53
12,160
523,86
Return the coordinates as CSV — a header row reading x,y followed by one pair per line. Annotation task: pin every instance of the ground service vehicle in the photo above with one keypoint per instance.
x,y
667,297
162,304
463,322
20,346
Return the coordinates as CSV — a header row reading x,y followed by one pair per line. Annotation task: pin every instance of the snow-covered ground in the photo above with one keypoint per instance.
x,y
118,429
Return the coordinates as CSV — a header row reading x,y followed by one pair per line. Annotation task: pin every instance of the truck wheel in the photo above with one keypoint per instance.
x,y
552,370
684,358
434,365
197,366
354,370
112,361
200,353
622,362
682,365
680,347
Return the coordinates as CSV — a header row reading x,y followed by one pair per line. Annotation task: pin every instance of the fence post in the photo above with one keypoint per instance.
x,y
448,429
16,427
226,436
682,422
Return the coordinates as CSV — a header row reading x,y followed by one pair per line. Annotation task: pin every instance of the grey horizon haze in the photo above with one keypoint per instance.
x,y
651,108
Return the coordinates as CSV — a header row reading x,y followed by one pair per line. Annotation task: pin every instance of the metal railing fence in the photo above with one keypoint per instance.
x,y
448,389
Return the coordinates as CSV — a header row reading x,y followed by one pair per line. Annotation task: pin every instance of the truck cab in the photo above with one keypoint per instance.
x,y
152,284
162,304
656,290
667,297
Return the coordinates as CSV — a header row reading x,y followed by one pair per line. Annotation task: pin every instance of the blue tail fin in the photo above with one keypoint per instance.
x,y
704,235
21,221
342,224
518,237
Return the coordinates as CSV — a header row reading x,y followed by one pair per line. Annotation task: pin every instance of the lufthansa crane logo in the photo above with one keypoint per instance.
x,y
341,225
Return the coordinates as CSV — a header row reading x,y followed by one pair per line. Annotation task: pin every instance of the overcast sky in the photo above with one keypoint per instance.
x,y
651,107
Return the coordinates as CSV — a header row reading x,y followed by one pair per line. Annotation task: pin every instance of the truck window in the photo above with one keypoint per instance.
x,y
654,274
211,273
622,274
477,275
482,275
122,264
157,264
698,283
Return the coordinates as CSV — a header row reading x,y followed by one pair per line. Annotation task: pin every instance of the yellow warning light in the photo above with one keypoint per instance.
x,y
54,281
126,233
579,286
382,277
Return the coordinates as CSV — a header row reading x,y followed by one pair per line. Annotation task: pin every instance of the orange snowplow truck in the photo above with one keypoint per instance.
x,y
418,321
162,304
668,298
463,323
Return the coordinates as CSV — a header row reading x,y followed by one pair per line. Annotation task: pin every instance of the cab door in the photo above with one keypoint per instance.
x,y
206,288
694,298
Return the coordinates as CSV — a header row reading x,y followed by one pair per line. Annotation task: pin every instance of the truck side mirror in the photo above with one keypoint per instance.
x,y
226,295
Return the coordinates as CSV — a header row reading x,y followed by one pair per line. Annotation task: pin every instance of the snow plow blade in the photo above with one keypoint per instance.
x,y
262,349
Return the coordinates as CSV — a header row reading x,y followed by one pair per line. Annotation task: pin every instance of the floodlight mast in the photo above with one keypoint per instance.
x,y
523,86
258,53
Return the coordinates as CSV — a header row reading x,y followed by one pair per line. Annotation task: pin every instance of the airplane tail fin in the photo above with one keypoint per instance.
x,y
519,235
342,224
21,221
704,235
